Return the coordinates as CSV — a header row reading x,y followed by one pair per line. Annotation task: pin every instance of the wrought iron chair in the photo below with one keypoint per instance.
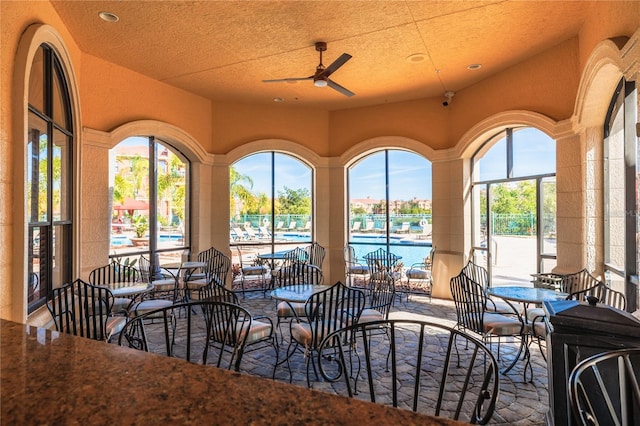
x,y
254,271
165,283
605,389
470,301
85,310
208,327
603,294
419,276
116,272
203,273
296,274
315,253
383,265
354,269
260,331
480,275
216,272
465,388
326,312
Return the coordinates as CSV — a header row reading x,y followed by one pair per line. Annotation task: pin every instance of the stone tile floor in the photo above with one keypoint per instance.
x,y
520,402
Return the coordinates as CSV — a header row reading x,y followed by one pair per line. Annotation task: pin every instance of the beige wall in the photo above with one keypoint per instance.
x,y
564,91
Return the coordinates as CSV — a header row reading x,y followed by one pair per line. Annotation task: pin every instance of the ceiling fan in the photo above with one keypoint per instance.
x,y
321,76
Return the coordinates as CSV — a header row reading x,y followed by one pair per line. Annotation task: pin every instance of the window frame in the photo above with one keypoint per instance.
x,y
52,69
476,237
625,98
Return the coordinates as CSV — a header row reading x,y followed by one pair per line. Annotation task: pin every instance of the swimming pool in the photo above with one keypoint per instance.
x,y
411,250
125,241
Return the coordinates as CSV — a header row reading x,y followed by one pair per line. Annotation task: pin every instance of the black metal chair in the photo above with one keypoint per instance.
x,y
470,301
165,283
116,272
261,332
382,265
85,310
419,276
480,275
256,271
354,269
463,387
315,253
326,312
605,389
216,271
601,293
296,274
208,328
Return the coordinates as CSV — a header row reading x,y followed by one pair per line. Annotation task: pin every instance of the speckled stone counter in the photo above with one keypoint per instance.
x,y
52,378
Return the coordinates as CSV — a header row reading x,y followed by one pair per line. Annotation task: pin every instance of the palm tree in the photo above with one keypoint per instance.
x,y
238,191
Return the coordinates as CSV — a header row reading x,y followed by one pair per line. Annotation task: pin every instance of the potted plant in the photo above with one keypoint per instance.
x,y
140,227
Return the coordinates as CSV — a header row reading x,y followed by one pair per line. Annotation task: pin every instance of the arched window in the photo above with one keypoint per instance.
x,y
271,202
514,205
390,205
149,180
49,178
621,189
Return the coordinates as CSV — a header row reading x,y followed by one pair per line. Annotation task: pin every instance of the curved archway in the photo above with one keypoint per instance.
x,y
32,39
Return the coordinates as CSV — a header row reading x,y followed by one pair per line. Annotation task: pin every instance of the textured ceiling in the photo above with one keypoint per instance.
x,y
224,49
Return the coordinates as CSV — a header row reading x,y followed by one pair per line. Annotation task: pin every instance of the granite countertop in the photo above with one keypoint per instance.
x,y
52,378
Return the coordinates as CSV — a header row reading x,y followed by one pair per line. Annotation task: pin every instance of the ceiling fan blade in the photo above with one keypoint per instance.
x,y
339,88
278,80
336,64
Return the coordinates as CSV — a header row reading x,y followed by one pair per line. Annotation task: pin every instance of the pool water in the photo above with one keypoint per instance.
x,y
411,250
124,241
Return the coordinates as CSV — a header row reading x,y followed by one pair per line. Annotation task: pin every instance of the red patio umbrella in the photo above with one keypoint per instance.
x,y
130,205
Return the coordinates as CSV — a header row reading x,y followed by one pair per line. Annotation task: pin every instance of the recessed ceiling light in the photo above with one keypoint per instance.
x,y
474,66
278,100
416,57
108,16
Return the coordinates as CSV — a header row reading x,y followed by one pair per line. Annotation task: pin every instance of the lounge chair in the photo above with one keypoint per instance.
x,y
369,226
405,228
306,228
250,232
264,232
240,234
280,226
292,226
356,226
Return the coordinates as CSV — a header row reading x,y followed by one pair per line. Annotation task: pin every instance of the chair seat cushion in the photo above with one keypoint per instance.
x,y
501,325
150,305
196,284
254,270
358,270
291,309
115,325
259,331
418,274
535,312
165,284
370,315
120,304
301,333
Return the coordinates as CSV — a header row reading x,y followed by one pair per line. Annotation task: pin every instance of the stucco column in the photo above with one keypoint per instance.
x,y
451,226
579,201
331,217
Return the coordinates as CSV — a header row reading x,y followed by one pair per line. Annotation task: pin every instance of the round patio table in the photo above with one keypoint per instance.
x,y
524,295
297,293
